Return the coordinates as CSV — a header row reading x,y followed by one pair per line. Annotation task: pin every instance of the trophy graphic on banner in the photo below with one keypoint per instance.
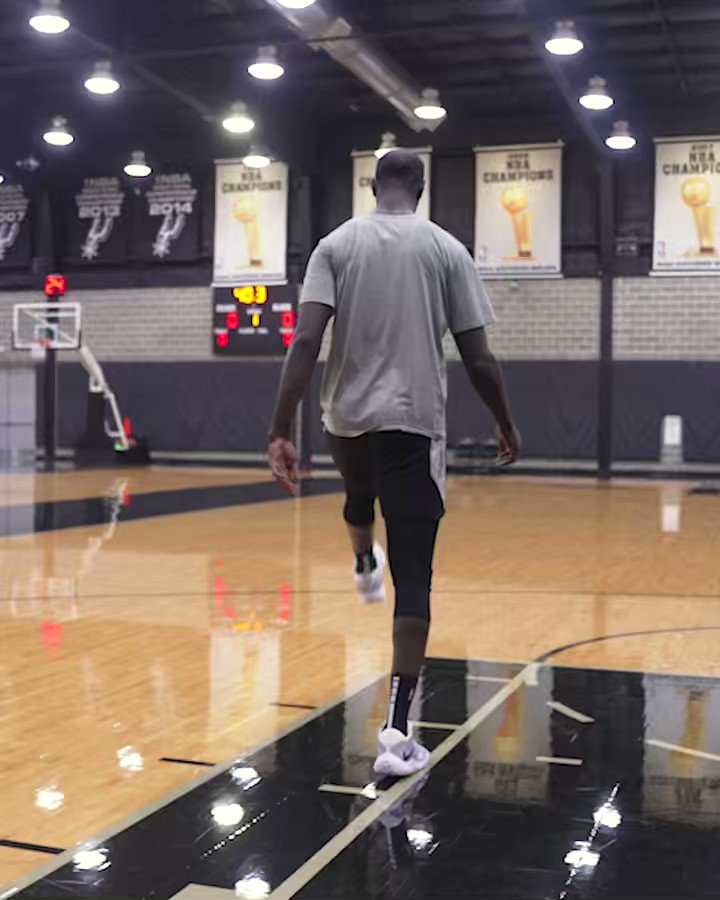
x,y
696,192
515,201
245,210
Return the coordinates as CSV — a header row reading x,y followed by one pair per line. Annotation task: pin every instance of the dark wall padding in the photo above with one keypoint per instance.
x,y
645,392
216,406
555,404
210,406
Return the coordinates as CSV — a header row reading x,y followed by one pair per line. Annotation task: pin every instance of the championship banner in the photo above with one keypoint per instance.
x,y
687,193
170,220
14,227
99,227
251,212
364,166
518,193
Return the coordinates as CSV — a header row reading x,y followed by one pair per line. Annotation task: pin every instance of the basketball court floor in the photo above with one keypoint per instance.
x,y
190,693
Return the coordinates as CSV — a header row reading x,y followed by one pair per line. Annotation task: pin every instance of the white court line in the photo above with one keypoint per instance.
x,y
352,830
492,678
559,760
570,712
370,790
439,726
42,871
688,751
201,892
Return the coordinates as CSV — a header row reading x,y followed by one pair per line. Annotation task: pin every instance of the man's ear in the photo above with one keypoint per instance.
x,y
421,191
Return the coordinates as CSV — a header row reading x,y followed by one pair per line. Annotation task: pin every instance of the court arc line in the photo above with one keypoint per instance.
x,y
34,848
688,751
570,712
327,853
187,762
559,760
37,874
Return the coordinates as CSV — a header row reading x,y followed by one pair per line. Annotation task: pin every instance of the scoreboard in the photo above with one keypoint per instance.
x,y
254,320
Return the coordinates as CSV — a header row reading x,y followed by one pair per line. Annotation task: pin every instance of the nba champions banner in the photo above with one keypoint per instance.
x,y
15,227
518,210
687,193
251,207
364,165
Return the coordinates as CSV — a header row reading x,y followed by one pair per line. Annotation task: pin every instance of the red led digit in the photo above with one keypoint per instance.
x,y
222,339
287,339
232,320
288,319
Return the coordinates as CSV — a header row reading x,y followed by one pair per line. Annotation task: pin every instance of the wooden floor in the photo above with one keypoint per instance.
x,y
174,636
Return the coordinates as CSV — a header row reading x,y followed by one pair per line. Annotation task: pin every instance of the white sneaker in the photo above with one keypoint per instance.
x,y
370,584
399,754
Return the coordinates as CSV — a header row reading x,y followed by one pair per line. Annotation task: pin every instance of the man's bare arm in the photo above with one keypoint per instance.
x,y
299,365
487,379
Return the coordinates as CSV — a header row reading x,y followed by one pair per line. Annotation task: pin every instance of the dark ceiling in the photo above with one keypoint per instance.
x,y
183,61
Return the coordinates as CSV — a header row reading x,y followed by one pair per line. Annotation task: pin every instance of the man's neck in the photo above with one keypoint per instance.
x,y
395,204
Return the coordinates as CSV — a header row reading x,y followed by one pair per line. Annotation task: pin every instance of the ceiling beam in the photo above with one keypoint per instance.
x,y
562,82
671,46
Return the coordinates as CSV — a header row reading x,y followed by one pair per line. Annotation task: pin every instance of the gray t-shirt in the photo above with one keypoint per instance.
x,y
397,283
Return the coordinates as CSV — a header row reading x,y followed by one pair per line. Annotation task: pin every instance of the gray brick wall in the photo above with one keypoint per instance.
x,y
134,324
667,318
656,318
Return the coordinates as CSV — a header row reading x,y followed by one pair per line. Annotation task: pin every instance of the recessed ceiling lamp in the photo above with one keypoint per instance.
x,y
388,143
430,107
2,178
138,166
596,96
238,120
296,4
564,41
102,80
266,67
256,159
621,139
49,19
58,134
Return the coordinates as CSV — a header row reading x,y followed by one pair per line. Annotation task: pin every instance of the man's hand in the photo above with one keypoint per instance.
x,y
283,462
510,446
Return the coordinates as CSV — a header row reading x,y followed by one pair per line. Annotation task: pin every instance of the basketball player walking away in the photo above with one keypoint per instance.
x,y
395,284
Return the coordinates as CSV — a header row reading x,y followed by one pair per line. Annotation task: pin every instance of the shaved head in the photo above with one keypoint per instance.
x,y
401,168
399,181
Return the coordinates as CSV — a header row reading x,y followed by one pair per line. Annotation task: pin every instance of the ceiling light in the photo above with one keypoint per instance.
x,y
296,4
564,41
266,67
252,887
255,159
102,80
91,860
2,178
596,96
430,106
49,798
245,776
238,120
607,816
58,134
49,18
227,814
138,166
128,757
388,143
621,139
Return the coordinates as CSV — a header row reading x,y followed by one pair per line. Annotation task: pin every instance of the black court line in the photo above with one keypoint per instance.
x,y
187,762
63,514
293,706
35,848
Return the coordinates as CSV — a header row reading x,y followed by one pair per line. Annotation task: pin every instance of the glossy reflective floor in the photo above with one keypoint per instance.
x,y
199,614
